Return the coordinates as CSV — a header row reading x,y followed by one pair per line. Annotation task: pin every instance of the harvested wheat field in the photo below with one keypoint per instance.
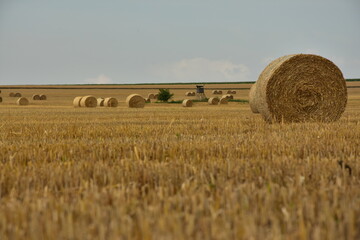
x,y
170,172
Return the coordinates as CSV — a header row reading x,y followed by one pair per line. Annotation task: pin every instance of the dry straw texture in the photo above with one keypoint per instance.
x,y
43,97
223,100
88,101
0,99
76,102
151,96
147,100
187,103
300,88
11,94
252,99
100,102
36,97
214,92
213,101
17,95
229,96
156,96
135,101
22,101
220,92
111,102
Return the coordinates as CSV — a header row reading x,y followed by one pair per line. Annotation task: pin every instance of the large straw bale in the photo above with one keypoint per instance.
x,y
36,97
100,102
17,95
76,101
223,100
111,102
187,103
252,99
22,101
88,101
300,88
213,101
135,101
43,97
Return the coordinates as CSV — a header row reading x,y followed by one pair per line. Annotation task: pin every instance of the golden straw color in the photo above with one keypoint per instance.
x,y
0,99
151,96
17,95
156,95
111,102
187,103
43,97
213,101
229,96
11,94
22,101
215,92
76,101
88,101
301,88
147,100
223,100
100,102
36,97
252,99
135,101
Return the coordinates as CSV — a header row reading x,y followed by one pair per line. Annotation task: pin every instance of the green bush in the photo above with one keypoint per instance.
x,y
164,95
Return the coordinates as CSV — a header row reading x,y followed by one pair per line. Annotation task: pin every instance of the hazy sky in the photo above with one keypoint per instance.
x,y
140,41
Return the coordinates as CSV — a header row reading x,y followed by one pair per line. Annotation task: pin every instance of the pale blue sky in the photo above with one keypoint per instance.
x,y
142,41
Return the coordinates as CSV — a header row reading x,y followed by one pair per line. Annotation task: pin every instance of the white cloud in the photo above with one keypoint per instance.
x,y
101,79
200,70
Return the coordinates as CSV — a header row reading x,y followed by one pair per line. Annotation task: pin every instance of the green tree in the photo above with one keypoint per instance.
x,y
164,95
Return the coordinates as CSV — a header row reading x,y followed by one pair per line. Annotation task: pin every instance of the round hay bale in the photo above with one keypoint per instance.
x,y
193,93
300,88
151,96
11,94
223,100
43,97
111,102
88,101
135,101
100,102
213,101
17,95
22,101
252,99
214,92
220,92
36,97
0,99
187,103
233,92
147,100
76,101
228,92
229,96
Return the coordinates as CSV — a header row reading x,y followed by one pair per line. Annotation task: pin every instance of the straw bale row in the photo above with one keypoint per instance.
x,y
38,97
153,96
231,92
14,94
189,94
215,92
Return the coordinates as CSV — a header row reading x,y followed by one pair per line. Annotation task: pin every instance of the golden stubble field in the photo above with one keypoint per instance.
x,y
168,172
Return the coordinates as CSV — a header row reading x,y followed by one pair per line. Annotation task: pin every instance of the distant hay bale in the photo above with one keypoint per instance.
x,y
233,92
11,94
111,102
252,99
228,92
76,101
215,92
17,95
147,100
187,94
151,96
193,93
0,99
100,102
43,97
135,101
228,96
88,101
213,101
300,88
187,103
223,100
36,97
22,101
220,92
156,95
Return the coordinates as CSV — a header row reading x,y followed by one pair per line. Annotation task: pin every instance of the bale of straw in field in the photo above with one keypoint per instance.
x,y
43,97
252,99
156,95
220,92
188,94
100,102
213,101
194,93
22,101
187,103
215,92
88,101
151,96
36,97
147,100
223,100
300,88
229,96
76,101
233,92
17,95
111,102
228,92
11,94
0,99
135,101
